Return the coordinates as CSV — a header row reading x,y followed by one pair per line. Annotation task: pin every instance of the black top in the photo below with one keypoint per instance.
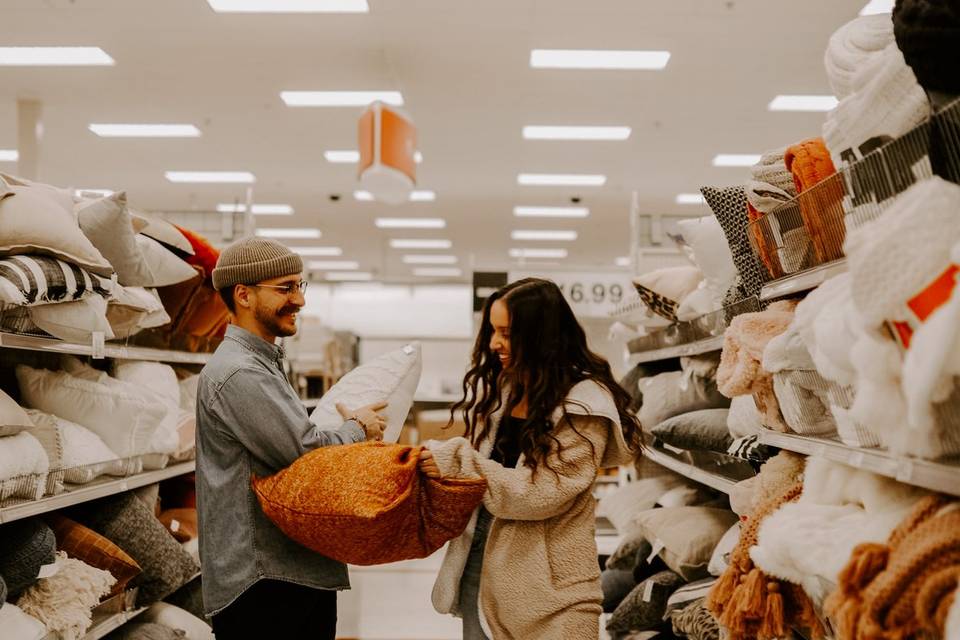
x,y
506,450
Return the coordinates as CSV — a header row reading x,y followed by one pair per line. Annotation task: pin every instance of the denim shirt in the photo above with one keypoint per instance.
x,y
250,421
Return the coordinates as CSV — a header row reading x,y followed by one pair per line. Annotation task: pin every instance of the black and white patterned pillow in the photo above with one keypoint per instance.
x,y
32,280
729,205
659,304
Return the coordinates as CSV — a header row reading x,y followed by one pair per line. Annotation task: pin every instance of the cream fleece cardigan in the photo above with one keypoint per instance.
x,y
540,576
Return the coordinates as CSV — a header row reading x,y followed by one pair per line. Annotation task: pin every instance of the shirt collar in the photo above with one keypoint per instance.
x,y
255,343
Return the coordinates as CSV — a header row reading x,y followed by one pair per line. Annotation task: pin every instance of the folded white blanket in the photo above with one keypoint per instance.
x,y
850,49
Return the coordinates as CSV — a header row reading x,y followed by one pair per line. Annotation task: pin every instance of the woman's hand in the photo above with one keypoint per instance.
x,y
428,466
369,418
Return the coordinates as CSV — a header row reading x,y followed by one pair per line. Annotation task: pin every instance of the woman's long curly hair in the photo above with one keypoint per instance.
x,y
548,356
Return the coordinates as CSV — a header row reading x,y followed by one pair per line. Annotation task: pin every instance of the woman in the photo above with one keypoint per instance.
x,y
543,413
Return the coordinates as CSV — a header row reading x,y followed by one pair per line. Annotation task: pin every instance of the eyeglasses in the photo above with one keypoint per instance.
x,y
286,289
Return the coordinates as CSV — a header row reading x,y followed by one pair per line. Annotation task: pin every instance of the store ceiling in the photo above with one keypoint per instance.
x,y
463,69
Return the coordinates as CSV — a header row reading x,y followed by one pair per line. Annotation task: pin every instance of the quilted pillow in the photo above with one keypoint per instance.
x,y
392,377
673,393
643,608
686,536
367,503
130,524
704,429
126,421
25,546
138,260
90,547
74,321
13,419
38,219
29,280
729,205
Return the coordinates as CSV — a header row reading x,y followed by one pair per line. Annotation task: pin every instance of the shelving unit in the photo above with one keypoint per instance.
x,y
107,625
936,476
802,280
52,345
712,480
707,345
92,491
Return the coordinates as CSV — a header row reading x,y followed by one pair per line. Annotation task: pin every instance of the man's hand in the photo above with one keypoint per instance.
x,y
428,466
368,418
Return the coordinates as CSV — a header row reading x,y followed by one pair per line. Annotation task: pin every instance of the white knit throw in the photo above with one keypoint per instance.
x,y
850,49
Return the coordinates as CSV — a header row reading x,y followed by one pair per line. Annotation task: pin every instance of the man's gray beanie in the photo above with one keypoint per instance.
x,y
254,260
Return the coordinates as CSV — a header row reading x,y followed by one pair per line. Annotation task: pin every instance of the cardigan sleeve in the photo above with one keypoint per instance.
x,y
521,494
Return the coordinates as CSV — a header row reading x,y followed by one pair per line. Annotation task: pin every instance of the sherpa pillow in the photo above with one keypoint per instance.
x,y
30,280
90,547
13,419
138,260
673,393
686,536
643,608
74,321
367,503
704,429
38,219
392,377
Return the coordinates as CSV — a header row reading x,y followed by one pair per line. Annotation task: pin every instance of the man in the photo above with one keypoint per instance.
x,y
256,581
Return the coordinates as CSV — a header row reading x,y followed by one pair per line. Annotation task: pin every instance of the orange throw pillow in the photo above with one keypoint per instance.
x,y
822,210
90,547
367,503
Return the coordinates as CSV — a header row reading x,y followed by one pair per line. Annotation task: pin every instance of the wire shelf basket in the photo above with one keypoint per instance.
x,y
705,327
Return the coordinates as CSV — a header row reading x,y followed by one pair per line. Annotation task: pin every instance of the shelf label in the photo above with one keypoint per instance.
x,y
905,471
648,591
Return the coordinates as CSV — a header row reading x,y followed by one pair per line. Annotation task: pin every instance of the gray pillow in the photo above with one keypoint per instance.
x,y
704,429
146,631
670,394
615,584
633,546
643,608
25,546
127,522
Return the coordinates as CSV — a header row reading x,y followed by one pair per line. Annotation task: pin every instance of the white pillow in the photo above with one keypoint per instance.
x,y
392,377
743,418
18,625
85,456
138,260
700,302
675,283
154,377
721,554
74,321
38,219
176,618
13,419
125,420
684,496
22,455
188,393
709,250
132,309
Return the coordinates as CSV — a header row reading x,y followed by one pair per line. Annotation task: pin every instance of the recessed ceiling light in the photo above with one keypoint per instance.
x,y
289,6
623,261
567,236
736,159
802,103
211,177
9,155
93,193
877,6
349,276
289,232
532,132
429,259
553,179
54,56
420,244
597,59
551,212
363,196
437,272
690,198
411,223
257,209
422,196
145,130
318,252
538,253
340,98
417,157
343,156
333,265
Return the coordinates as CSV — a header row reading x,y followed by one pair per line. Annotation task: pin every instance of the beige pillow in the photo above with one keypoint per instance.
x,y
620,506
38,219
74,321
132,309
13,419
686,536
164,232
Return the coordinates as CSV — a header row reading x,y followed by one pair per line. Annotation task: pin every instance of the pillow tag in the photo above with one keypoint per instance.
x,y
174,525
408,349
648,591
97,345
48,571
658,546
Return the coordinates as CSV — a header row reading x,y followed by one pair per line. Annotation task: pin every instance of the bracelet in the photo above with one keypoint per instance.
x,y
360,422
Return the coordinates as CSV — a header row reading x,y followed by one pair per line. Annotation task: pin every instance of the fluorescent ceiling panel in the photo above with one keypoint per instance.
x,y
54,57
257,209
289,6
318,252
87,193
333,265
623,261
340,98
411,223
289,232
551,212
535,132
736,159
420,244
563,236
9,155
437,272
538,253
352,156
802,103
363,196
690,198
429,259
558,179
349,276
422,196
598,59
211,177
145,130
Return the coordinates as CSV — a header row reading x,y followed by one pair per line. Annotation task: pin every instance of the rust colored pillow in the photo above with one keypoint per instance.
x,y
176,297
181,523
205,254
90,547
764,242
367,503
822,210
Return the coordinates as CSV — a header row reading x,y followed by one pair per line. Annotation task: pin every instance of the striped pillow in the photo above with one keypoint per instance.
x,y
32,280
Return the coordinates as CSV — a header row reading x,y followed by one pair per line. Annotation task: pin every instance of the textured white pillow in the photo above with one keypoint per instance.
x,y
720,559
392,377
85,456
675,283
176,618
38,219
74,321
22,455
154,377
709,250
126,421
13,419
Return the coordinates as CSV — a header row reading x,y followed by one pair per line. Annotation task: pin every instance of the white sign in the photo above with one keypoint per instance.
x,y
590,294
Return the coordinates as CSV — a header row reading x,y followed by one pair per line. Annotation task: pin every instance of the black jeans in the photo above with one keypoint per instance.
x,y
276,609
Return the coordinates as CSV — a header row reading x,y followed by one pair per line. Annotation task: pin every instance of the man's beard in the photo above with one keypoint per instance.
x,y
270,320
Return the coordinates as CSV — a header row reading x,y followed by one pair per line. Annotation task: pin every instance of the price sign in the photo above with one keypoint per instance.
x,y
590,294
